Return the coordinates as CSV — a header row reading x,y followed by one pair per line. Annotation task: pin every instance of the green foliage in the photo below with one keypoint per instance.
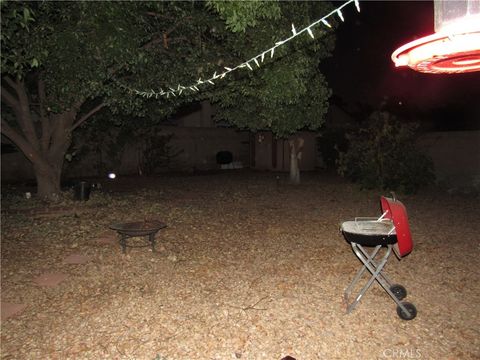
x,y
102,143
287,92
239,15
157,153
16,22
383,155
87,50
329,144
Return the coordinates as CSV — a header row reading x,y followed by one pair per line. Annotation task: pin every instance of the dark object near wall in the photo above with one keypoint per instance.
x,y
82,191
224,157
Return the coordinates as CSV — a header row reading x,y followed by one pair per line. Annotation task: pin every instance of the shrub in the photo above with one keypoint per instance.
x,y
382,155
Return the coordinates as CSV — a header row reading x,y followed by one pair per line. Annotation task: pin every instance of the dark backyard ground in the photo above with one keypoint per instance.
x,y
249,267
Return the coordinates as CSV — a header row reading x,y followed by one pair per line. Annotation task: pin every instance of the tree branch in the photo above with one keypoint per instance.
x,y
157,40
87,115
10,82
46,131
25,119
10,100
157,15
18,140
186,18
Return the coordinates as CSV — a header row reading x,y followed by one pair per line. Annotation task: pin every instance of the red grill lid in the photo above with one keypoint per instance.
x,y
397,212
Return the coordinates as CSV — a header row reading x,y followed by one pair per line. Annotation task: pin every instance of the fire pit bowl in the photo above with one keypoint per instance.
x,y
138,229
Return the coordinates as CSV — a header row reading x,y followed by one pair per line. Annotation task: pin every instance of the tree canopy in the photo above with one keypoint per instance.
x,y
63,62
288,92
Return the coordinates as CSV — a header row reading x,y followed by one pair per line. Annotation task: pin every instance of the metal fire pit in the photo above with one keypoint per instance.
x,y
146,228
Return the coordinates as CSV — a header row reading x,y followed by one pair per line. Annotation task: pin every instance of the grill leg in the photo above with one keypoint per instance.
x,y
360,272
382,279
381,275
151,237
123,243
375,270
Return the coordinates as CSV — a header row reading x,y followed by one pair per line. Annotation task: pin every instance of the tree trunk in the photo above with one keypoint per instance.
x,y
42,136
296,147
48,181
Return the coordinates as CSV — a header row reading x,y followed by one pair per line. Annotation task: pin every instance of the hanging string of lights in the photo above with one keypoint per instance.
x,y
249,64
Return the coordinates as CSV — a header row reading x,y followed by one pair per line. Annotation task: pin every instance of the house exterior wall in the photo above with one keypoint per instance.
x,y
271,154
203,117
456,156
201,145
16,167
198,148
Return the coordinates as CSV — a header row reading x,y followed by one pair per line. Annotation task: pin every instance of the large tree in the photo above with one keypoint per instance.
x,y
64,62
289,93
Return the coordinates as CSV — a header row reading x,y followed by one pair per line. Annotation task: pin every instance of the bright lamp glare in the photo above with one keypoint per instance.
x,y
112,176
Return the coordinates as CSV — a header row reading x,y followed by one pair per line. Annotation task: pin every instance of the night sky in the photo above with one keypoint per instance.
x,y
361,70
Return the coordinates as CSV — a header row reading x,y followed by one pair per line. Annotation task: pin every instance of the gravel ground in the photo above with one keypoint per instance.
x,y
249,267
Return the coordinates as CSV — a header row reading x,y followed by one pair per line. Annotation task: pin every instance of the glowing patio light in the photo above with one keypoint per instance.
x,y
455,46
112,175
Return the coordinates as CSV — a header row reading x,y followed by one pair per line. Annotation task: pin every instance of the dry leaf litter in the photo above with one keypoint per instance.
x,y
248,268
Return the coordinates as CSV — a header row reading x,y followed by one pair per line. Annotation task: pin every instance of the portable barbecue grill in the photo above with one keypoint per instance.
x,y
390,230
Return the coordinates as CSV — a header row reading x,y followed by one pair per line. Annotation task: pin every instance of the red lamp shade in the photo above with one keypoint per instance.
x,y
454,48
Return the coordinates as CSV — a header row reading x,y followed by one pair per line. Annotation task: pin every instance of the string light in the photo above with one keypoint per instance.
x,y
194,88
340,15
325,22
357,5
310,33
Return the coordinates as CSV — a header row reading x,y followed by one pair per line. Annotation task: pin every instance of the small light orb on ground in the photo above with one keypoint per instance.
x,y
112,175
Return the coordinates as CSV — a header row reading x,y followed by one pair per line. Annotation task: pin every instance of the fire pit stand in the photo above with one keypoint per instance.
x,y
147,228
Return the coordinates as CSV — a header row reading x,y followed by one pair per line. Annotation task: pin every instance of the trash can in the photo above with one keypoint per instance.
x,y
224,157
82,190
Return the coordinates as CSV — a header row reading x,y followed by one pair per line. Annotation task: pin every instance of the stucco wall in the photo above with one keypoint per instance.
x,y
456,155
201,145
197,146
266,148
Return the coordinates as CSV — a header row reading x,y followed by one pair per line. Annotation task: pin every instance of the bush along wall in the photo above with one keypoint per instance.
x,y
382,155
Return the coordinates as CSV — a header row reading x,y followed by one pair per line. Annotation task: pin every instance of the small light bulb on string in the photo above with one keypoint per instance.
x,y
340,15
357,5
294,31
325,22
310,33
256,62
271,54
